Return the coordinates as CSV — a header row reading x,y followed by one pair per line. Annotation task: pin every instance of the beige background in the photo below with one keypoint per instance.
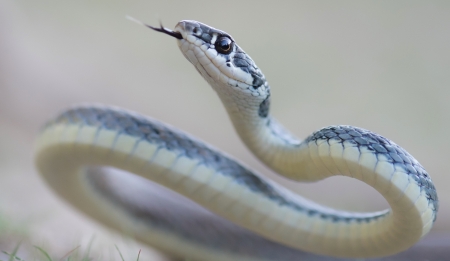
x,y
380,65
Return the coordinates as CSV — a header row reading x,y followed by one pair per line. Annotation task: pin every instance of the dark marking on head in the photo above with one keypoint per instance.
x,y
264,107
204,32
238,62
242,61
258,80
196,30
206,37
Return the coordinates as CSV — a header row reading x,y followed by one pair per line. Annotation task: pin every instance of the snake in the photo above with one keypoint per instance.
x,y
168,189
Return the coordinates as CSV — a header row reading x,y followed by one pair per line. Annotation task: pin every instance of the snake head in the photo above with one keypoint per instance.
x,y
225,66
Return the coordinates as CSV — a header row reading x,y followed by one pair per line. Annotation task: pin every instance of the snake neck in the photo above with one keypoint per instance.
x,y
263,135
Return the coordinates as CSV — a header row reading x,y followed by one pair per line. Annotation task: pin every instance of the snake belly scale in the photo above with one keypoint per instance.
x,y
248,217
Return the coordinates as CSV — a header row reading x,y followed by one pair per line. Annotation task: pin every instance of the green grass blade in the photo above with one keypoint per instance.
x,y
119,253
13,254
139,254
86,255
15,257
44,253
69,253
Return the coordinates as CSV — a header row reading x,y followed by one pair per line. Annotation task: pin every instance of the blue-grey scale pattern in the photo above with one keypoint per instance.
x,y
242,61
264,106
381,146
204,32
155,132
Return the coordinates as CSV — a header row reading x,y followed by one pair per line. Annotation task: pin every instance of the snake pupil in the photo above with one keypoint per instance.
x,y
223,45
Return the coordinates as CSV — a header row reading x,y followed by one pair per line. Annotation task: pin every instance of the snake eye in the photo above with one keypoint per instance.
x,y
224,45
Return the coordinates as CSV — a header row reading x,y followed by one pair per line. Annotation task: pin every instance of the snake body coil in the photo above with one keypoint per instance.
x,y
76,150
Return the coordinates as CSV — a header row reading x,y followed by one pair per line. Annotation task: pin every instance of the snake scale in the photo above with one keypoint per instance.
x,y
110,163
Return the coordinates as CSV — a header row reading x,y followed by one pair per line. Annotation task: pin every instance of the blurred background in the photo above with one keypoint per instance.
x,y
379,65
